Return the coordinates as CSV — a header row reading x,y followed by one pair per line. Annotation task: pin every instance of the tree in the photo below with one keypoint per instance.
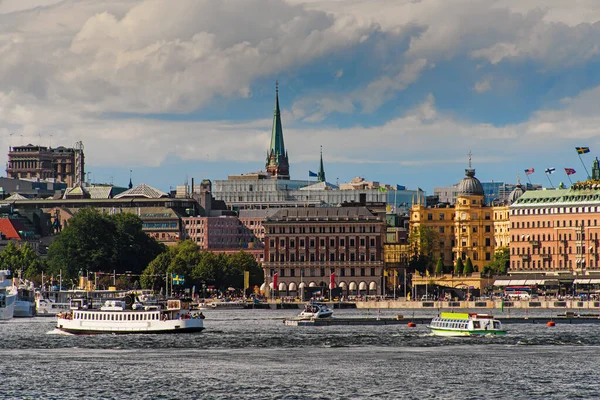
x,y
439,268
468,269
499,264
10,257
153,276
424,244
93,241
458,266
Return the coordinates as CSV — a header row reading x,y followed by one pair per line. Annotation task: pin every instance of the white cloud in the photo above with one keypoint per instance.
x,y
483,86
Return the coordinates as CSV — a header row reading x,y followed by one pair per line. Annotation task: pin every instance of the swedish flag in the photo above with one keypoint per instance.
x,y
582,150
177,279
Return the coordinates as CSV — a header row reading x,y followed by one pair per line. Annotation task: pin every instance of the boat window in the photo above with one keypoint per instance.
x,y
476,325
112,317
496,325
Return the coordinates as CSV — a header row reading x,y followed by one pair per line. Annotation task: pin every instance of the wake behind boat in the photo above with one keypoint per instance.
x,y
316,310
129,316
465,324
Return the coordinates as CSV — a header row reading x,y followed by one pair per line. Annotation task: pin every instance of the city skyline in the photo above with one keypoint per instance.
x,y
398,92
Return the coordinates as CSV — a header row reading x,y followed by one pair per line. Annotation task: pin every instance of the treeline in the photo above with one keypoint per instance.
x,y
201,267
93,242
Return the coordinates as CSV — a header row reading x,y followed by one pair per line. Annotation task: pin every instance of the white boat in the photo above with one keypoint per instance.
x,y
25,303
129,316
8,296
465,324
49,308
228,304
316,310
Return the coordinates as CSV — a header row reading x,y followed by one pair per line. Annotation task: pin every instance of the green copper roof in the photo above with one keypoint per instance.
x,y
321,174
579,194
277,145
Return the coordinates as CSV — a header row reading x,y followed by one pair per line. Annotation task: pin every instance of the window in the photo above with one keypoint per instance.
x,y
372,242
331,242
362,272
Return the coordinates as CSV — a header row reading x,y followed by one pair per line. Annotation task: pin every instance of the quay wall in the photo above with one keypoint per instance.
x,y
491,304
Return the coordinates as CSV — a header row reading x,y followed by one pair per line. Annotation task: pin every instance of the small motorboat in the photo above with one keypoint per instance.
x,y
316,310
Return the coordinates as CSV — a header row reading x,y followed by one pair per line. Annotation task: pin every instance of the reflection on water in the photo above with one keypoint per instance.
x,y
251,354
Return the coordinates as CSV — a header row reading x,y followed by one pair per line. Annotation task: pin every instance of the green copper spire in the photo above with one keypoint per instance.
x,y
321,175
277,145
277,158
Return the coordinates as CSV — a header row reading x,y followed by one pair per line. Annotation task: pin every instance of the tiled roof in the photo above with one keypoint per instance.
x,y
16,196
8,229
333,213
143,190
257,213
99,192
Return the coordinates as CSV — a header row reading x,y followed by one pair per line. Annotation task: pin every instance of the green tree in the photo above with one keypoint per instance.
x,y
154,276
133,249
458,266
31,263
499,264
424,244
468,269
439,267
10,258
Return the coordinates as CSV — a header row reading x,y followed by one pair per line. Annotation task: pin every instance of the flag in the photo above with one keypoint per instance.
x,y
549,171
426,272
570,171
246,279
275,277
310,173
385,272
177,279
332,281
395,272
400,187
529,171
582,150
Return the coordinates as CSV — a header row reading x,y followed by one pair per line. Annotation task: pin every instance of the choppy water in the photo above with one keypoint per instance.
x,y
250,354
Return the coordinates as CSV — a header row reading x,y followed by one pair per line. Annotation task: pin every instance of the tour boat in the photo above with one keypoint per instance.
x,y
8,296
465,324
129,316
49,308
316,310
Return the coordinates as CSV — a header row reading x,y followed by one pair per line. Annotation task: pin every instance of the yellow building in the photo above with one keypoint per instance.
x,y
467,229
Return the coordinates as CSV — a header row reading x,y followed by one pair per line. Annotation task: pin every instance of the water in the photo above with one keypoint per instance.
x,y
250,354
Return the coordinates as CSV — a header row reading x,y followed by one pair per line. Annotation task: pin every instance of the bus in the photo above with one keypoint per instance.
x,y
519,292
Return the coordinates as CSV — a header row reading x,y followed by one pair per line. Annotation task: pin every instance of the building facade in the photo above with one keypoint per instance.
x,y
62,164
467,229
557,230
308,247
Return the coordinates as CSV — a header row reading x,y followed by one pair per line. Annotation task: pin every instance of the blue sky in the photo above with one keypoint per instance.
x,y
395,91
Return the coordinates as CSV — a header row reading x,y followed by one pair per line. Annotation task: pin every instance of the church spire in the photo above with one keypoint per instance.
x,y
321,175
277,160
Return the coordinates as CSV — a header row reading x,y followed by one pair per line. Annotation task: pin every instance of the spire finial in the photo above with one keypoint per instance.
x,y
470,154
276,86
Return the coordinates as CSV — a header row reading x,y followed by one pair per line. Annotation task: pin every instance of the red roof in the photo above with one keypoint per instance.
x,y
8,229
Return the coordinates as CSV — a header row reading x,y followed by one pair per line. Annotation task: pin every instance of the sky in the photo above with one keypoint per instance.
x,y
395,91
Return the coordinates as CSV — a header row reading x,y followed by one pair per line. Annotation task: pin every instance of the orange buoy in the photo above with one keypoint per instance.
x,y
412,325
551,323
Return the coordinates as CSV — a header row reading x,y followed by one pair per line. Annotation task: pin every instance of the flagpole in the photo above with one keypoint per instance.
x,y
529,179
569,177
548,176
584,167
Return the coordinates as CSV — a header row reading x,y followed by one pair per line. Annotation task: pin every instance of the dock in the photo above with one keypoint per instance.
x,y
345,321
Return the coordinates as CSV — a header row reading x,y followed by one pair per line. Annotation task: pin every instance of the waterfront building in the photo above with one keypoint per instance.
x,y
253,222
61,164
557,230
306,247
467,229
34,188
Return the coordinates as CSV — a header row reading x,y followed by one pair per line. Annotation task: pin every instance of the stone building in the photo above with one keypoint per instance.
x,y
309,247
557,229
467,229
61,164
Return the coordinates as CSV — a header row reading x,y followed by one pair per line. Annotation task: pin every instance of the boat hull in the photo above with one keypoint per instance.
x,y
83,327
7,312
465,333
24,309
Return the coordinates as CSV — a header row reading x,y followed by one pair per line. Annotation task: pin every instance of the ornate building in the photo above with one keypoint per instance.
x,y
277,158
557,229
305,246
62,164
467,229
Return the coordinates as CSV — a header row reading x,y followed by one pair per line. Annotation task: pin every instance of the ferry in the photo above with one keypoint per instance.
x,y
129,316
465,324
316,310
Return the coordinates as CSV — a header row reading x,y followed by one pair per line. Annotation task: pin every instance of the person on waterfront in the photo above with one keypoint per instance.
x,y
201,316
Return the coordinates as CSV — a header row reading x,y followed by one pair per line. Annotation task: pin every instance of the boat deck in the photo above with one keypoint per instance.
x,y
344,321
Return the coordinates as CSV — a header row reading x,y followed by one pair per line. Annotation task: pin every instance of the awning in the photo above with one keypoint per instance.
x,y
352,285
343,285
362,286
302,285
517,282
292,286
282,286
372,286
501,282
312,284
550,282
263,286
594,281
580,281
